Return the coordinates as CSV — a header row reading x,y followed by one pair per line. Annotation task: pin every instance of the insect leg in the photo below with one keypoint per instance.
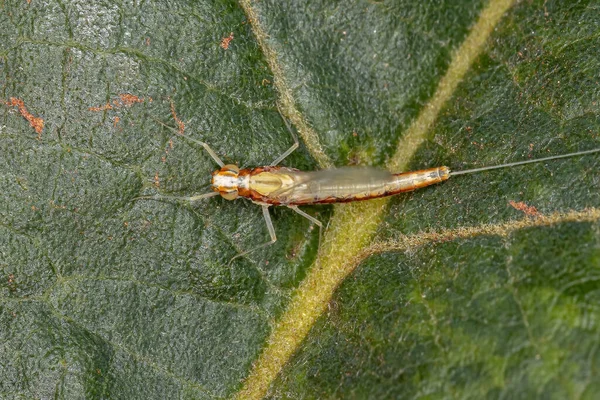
x,y
305,215
265,210
310,218
294,146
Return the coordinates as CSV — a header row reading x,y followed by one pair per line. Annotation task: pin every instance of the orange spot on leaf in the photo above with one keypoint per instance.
x,y
124,100
36,123
128,100
527,210
226,40
101,108
180,124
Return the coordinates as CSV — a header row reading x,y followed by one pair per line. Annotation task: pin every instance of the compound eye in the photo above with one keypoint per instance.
x,y
231,168
229,195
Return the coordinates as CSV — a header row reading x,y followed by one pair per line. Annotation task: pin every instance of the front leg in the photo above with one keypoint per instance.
x,y
265,210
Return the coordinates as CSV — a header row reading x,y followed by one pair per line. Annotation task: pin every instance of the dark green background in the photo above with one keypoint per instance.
x,y
105,296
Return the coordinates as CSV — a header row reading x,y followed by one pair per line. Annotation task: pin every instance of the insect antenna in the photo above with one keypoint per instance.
x,y
513,164
190,199
208,149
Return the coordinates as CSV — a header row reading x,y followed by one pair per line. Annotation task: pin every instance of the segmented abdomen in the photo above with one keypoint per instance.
x,y
280,185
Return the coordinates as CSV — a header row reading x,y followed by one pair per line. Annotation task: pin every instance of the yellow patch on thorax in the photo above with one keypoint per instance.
x,y
266,183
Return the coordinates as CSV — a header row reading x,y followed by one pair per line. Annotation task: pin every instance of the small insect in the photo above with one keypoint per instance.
x,y
274,185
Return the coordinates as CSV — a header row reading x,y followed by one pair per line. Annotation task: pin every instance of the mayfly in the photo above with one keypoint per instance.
x,y
275,185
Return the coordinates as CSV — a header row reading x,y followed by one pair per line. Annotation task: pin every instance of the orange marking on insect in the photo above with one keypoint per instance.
x,y
274,185
35,122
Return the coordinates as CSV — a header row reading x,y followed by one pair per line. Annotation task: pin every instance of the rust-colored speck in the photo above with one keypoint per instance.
x,y
57,206
124,100
527,210
167,150
12,285
180,124
480,145
105,107
36,123
128,100
156,180
116,121
226,40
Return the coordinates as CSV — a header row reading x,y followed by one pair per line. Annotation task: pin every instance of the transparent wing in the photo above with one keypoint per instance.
x,y
334,183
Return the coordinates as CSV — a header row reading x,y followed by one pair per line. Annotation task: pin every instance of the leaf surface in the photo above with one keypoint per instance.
x,y
107,295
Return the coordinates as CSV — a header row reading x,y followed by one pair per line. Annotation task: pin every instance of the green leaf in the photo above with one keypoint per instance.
x,y
490,316
459,294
